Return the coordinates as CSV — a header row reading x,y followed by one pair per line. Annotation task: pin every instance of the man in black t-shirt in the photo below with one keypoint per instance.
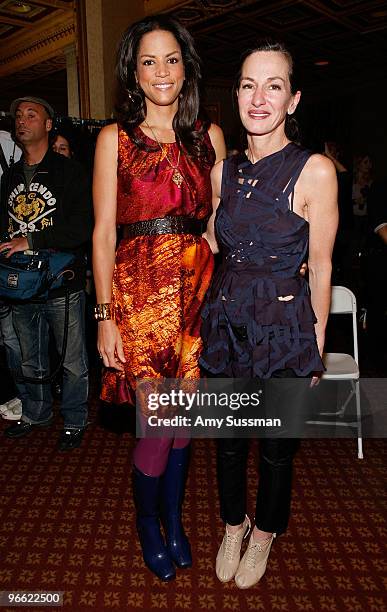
x,y
46,204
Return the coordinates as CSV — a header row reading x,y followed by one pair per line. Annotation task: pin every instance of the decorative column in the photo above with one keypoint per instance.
x,y
100,24
72,81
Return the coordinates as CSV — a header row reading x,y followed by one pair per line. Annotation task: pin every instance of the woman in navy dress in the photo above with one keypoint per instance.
x,y
275,205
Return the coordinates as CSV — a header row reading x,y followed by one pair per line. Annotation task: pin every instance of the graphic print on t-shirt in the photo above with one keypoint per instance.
x,y
30,211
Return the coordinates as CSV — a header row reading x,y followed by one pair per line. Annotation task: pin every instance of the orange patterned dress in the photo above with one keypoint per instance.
x,y
159,281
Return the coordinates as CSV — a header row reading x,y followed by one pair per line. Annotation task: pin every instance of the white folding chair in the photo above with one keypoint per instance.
x,y
340,366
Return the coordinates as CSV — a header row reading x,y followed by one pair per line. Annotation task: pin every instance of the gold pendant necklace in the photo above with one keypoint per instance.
x,y
177,177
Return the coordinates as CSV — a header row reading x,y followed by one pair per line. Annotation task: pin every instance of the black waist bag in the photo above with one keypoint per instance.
x,y
25,277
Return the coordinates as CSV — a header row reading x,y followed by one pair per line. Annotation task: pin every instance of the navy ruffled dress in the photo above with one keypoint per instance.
x,y
248,330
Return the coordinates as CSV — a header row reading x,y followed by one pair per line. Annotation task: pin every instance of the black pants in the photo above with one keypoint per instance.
x,y
275,478
275,481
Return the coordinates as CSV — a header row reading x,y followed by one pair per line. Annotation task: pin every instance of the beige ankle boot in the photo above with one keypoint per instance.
x,y
253,563
229,553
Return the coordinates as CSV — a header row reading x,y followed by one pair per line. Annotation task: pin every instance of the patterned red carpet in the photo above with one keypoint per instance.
x,y
67,524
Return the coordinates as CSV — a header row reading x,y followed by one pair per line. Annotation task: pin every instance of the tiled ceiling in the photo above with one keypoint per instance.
x,y
349,34
17,17
24,26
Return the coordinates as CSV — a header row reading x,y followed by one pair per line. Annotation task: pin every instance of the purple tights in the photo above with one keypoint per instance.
x,y
151,454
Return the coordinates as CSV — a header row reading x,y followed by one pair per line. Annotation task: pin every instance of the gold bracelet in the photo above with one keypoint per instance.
x,y
102,312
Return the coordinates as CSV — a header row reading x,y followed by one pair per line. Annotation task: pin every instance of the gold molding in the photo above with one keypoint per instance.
x,y
83,62
13,21
32,33
45,46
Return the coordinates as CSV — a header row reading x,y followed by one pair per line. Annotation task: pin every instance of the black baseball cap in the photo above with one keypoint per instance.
x,y
44,103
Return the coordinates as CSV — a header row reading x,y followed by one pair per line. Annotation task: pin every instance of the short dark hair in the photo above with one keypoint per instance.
x,y
292,130
130,105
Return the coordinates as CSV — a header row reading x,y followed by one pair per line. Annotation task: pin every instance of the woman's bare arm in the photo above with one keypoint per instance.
x,y
319,185
217,140
104,240
216,184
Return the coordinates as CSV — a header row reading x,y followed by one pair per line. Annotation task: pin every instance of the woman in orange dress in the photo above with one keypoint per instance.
x,y
152,177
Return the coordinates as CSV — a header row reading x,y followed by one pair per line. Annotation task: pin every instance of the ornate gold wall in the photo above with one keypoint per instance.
x,y
76,36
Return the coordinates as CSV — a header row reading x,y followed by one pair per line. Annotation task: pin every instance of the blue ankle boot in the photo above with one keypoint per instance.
x,y
172,494
146,496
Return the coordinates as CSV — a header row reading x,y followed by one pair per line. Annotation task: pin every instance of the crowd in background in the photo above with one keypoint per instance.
x,y
262,317
360,253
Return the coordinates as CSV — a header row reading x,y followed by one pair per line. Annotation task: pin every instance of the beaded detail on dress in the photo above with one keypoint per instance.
x,y
258,316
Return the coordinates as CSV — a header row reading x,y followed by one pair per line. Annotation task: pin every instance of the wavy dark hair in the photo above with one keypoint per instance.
x,y
130,105
292,129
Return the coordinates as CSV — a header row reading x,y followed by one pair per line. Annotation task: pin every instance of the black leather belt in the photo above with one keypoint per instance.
x,y
165,225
